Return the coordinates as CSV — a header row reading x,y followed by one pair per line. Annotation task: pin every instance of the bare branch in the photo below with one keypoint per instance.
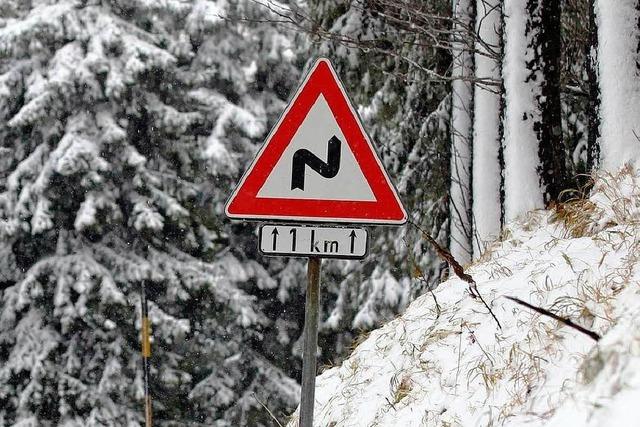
x,y
267,409
413,24
457,269
560,319
423,278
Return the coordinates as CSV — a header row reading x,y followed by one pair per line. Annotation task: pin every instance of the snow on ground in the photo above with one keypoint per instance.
x,y
458,369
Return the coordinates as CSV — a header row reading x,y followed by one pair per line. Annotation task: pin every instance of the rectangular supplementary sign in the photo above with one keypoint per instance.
x,y
307,241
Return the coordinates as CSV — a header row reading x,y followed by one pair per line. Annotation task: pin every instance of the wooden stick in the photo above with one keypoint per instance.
x,y
457,269
560,319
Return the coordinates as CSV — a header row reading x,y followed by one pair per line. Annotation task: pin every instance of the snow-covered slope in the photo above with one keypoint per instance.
x,y
457,368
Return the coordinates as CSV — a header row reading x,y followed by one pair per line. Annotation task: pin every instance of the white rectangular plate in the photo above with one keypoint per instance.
x,y
307,241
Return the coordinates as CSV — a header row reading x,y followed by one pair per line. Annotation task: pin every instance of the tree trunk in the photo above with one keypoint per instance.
x,y
486,127
593,149
619,82
461,133
549,128
522,80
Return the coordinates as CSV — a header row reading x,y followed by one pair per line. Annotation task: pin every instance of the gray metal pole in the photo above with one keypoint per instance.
x,y
146,354
310,342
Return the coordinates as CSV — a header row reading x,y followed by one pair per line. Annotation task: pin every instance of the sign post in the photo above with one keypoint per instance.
x,y
319,176
311,313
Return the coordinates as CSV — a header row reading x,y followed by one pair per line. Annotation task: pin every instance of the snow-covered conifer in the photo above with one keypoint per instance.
x,y
126,124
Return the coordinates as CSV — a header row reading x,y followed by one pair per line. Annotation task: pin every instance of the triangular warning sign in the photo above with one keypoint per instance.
x,y
317,164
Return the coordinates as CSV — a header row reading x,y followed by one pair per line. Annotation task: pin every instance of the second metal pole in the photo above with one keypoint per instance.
x,y
146,354
311,311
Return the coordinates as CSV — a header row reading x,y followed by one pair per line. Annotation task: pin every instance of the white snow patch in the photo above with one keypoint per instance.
x,y
458,368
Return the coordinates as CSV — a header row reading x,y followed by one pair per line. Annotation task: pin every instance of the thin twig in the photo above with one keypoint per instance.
x,y
459,358
476,341
445,32
267,409
457,269
560,319
423,278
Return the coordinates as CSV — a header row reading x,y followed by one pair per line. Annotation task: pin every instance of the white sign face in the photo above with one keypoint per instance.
x,y
313,137
325,242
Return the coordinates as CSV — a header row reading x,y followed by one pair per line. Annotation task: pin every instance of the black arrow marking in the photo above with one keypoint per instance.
x,y
353,239
304,157
293,240
275,237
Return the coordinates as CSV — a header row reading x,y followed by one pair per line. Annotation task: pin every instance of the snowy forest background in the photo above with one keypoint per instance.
x,y
124,126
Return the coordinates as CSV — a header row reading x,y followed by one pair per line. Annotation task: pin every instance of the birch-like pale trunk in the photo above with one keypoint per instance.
x,y
461,133
619,81
486,126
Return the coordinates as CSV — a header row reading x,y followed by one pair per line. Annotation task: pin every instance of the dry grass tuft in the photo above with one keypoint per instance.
x,y
577,212
400,387
359,339
577,216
